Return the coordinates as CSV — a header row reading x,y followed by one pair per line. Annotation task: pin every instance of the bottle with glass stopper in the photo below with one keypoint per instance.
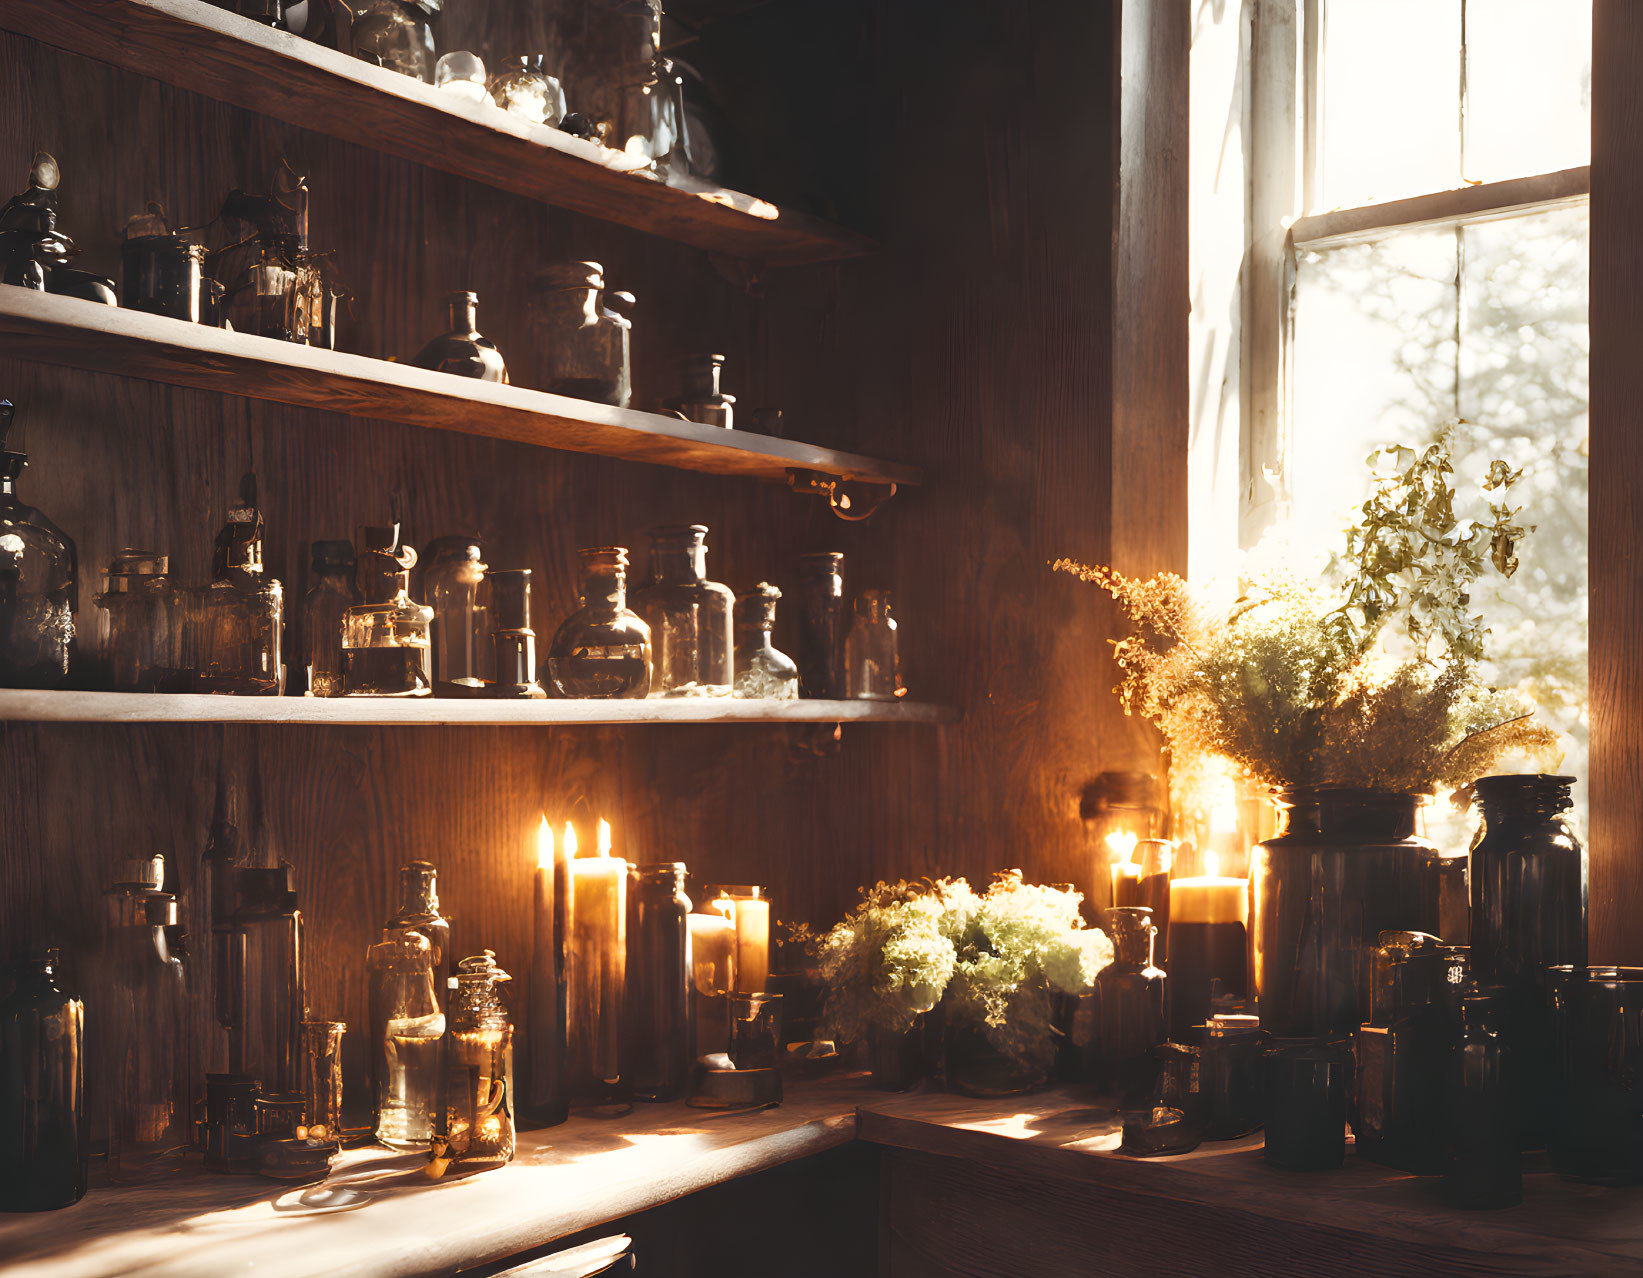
x,y
602,649
385,638
237,619
453,584
405,987
478,1082
688,615
872,660
761,670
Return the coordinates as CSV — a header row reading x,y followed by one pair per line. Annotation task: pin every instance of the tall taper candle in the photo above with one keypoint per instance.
x,y
713,979
547,1097
748,907
598,968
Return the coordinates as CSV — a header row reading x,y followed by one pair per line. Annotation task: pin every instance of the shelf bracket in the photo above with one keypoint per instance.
x,y
848,499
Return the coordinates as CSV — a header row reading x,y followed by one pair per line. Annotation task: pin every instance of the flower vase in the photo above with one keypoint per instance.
x,y
976,1067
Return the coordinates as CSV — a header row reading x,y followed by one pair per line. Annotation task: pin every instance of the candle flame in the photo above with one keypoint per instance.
x,y
544,844
570,840
1121,843
1212,865
604,837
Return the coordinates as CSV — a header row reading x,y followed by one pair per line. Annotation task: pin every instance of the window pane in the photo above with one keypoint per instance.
x,y
1528,87
1391,100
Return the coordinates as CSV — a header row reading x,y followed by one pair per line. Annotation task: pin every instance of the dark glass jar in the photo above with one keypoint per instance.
x,y
580,343
1596,1086
463,350
236,622
515,663
38,571
385,638
1181,1083
323,607
1528,914
45,1141
453,585
603,648
1402,1058
479,1065
656,1051
1231,1076
690,617
1484,1167
265,1038
229,1134
160,272
1344,867
700,398
136,648
1307,1082
823,623
1134,1004
872,654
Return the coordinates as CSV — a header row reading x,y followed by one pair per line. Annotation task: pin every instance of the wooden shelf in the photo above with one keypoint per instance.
x,y
204,49
161,707
111,339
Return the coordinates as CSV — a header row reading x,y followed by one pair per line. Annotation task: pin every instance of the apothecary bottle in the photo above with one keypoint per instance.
x,y
604,648
823,624
323,607
1400,1057
510,591
701,397
462,349
580,341
478,1078
403,984
1132,1008
270,999
872,658
396,34
688,615
761,670
453,585
236,621
136,648
44,1133
385,638
37,578
1485,1169
656,1051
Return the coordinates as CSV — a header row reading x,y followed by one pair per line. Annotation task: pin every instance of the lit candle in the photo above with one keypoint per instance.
x,y
1209,945
546,1098
749,909
598,966
713,973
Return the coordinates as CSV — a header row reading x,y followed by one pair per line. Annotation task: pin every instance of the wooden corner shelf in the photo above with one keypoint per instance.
x,y
111,339
199,47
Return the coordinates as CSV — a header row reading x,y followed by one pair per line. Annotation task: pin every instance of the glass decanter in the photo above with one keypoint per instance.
x,y
331,595
823,623
688,615
602,649
510,590
135,647
872,663
453,580
762,671
479,1065
581,344
385,638
396,34
406,1025
463,350
37,578
236,621
44,1130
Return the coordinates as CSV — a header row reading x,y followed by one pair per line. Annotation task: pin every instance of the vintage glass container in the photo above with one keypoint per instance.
x,y
510,590
748,906
1231,1076
688,615
823,625
265,299
453,583
385,638
478,1077
44,1133
270,1003
462,349
603,649
396,34
1306,1091
1595,1131
160,271
331,595
136,647
578,336
525,88
418,911
1401,1057
405,988
1344,867
462,74
761,670
1132,1009
656,1050
37,578
615,76
322,1078
755,1030
236,622
872,659
700,398
1528,914
1483,1166
1181,1082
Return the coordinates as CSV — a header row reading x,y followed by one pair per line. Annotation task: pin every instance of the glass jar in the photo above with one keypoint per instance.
x,y
44,1133
418,911
323,607
462,75
134,639
581,343
1133,1004
1528,914
1595,1132
322,1078
1234,1093
396,34
37,580
656,1053
479,1065
615,75
453,581
160,271
762,671
236,622
269,997
385,638
406,1025
700,399
1484,1168
602,649
229,1133
266,300
515,662
462,350
524,88
688,615
755,1030
1401,1055
1306,1089
822,626
872,661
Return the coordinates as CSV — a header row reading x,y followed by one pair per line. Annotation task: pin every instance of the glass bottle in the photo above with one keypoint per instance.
x,y
1132,1009
1596,1095
700,398
266,301
656,1053
1231,1076
385,638
762,671
1306,1088
160,271
822,626
463,350
322,1078
453,581
602,649
396,34
1485,1169
236,620
525,88
515,640
45,1142
134,638
688,615
37,579
270,1001
1401,1056
581,343
406,1025
331,595
479,1065
418,911
871,658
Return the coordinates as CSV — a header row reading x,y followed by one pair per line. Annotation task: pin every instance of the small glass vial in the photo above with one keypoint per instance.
x,y
331,595
385,639
1133,1003
688,615
580,340
236,620
463,350
44,1133
823,624
524,88
871,657
322,1078
406,1026
1484,1166
762,671
602,649
656,1050
479,1065
515,640
134,636
453,583
37,583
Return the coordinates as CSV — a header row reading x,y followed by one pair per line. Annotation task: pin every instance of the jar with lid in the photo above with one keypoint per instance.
x,y
602,649
462,349
45,1140
331,595
688,615
37,580
579,336
872,657
479,1122
823,624
235,623
761,670
160,271
136,648
700,398
385,638
1234,1093
453,583
657,1044
1132,1008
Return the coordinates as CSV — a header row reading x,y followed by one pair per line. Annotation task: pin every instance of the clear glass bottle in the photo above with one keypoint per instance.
x,y
762,671
396,34
453,583
823,624
580,343
463,350
1484,1166
656,1049
1132,1008
688,615
602,649
700,398
615,76
515,640
269,996
37,578
872,660
525,88
406,1025
135,645
331,595
478,1079
385,638
45,1141
236,620
322,1078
